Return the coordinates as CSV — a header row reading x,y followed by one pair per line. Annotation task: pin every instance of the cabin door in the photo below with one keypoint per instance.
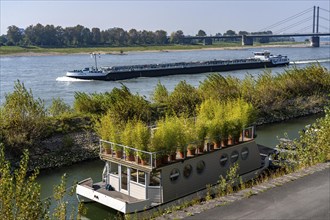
x,y
124,179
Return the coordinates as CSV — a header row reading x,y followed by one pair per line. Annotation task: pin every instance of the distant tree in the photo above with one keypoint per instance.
x,y
3,40
230,33
161,37
96,36
243,33
176,37
14,34
133,37
86,37
201,33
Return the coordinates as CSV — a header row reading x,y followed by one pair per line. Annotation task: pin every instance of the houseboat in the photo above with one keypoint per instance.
x,y
259,60
130,185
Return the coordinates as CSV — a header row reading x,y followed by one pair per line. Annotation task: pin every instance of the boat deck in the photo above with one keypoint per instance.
x,y
100,187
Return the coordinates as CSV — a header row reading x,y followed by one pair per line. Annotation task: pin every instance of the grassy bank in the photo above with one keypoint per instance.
x,y
16,50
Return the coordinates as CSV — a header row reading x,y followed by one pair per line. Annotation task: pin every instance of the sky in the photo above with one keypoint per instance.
x,y
213,17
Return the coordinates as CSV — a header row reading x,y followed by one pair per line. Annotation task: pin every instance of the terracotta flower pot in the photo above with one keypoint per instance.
x,y
217,144
191,152
144,162
181,154
119,153
224,142
200,149
211,146
130,157
164,159
172,157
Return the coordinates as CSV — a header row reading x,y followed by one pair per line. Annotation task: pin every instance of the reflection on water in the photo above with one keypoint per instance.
x,y
268,135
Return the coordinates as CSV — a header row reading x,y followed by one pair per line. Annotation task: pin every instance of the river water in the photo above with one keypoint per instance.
x,y
44,75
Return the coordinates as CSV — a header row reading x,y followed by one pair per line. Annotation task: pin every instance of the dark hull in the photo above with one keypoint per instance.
x,y
122,75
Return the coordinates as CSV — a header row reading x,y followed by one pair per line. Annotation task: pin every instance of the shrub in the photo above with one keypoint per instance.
x,y
58,107
22,119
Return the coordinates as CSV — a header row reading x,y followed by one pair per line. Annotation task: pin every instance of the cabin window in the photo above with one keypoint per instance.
x,y
234,156
244,153
187,170
155,179
114,168
174,175
134,174
142,177
200,166
224,160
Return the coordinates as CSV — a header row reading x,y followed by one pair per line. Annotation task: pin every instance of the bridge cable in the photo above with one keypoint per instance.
x,y
288,19
324,18
325,10
326,28
293,25
305,28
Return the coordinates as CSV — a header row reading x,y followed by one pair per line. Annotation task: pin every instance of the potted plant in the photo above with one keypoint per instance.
x,y
214,132
141,137
157,145
191,149
109,129
127,140
201,133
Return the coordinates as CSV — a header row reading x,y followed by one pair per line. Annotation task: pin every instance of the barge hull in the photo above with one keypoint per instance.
x,y
122,75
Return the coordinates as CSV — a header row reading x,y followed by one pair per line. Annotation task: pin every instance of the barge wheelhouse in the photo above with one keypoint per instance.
x,y
132,185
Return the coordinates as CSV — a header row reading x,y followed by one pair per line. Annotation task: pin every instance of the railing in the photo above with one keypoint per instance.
x,y
156,159
129,154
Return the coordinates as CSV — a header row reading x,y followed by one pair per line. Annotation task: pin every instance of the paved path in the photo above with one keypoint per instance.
x,y
304,198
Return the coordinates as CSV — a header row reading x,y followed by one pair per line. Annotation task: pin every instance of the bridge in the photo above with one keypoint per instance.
x,y
248,39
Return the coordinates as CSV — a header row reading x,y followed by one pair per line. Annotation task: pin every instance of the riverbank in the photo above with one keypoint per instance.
x,y
6,51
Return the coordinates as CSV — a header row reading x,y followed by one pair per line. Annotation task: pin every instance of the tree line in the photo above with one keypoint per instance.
x,y
80,36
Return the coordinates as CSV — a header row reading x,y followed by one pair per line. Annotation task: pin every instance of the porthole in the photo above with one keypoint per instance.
x,y
244,153
224,160
187,170
234,156
174,175
200,166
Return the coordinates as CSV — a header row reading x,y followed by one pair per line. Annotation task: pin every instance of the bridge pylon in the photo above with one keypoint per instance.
x,y
247,41
315,41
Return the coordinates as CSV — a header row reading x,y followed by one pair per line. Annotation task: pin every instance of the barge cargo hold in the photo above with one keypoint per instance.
x,y
259,60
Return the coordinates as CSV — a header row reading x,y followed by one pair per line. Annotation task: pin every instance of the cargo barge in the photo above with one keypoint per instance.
x,y
259,60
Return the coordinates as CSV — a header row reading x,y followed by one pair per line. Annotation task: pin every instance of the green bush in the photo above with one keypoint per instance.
x,y
22,119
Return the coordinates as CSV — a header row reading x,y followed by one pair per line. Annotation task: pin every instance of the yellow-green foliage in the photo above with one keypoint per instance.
x,y
22,118
224,118
312,147
20,194
168,135
141,136
108,128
